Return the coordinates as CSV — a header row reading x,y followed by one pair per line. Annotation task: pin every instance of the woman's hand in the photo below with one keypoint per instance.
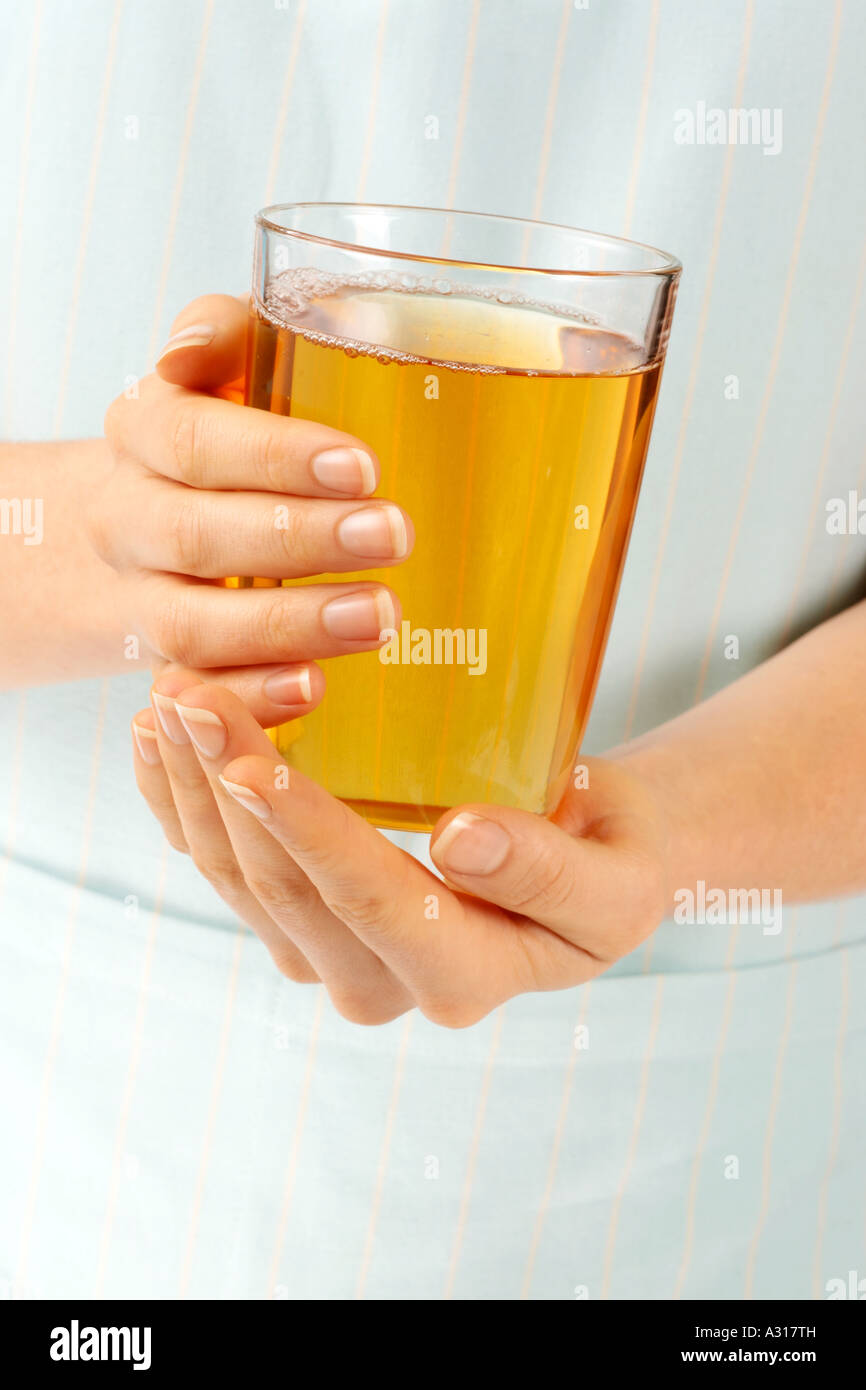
x,y
529,903
204,488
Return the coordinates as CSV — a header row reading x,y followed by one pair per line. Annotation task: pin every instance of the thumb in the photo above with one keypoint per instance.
x,y
603,893
207,346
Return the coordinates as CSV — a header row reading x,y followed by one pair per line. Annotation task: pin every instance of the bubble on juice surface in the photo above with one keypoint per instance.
x,y
298,294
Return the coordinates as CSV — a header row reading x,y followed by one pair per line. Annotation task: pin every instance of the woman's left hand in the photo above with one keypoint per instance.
x,y
529,903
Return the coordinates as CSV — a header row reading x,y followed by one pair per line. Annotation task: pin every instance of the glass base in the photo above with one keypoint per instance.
x,y
395,815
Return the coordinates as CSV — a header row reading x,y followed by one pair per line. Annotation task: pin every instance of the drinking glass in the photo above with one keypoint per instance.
x,y
506,374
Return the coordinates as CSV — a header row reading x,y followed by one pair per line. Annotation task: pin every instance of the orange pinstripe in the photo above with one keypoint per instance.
x,y
292,1167
791,934
213,1110
384,1153
836,1125
285,97
473,1152
88,214
641,122
131,1076
457,148
703,1138
19,220
14,791
374,97
633,1142
547,137
553,1162
771,1124
179,181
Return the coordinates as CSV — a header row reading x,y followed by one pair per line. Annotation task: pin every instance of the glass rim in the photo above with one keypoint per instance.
x,y
668,267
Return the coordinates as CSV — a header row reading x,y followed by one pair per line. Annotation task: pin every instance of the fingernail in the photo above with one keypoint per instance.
x,y
207,731
374,531
165,710
289,687
470,844
146,743
194,335
359,617
250,800
345,470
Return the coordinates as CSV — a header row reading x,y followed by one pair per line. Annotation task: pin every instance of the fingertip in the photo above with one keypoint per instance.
x,y
145,739
207,344
173,680
261,775
294,689
348,470
470,844
216,698
194,335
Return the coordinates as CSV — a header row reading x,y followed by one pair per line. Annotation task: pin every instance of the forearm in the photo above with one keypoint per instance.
x,y
60,616
765,783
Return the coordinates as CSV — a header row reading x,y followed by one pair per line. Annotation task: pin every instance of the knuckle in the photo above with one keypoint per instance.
x,y
361,1006
220,870
370,912
173,632
267,451
188,782
188,535
291,534
451,1011
269,627
295,967
278,896
547,884
183,442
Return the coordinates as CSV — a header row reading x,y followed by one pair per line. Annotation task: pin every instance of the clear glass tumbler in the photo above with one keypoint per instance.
x,y
506,373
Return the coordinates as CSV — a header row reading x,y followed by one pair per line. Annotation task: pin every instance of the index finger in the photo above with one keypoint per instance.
x,y
206,442
459,958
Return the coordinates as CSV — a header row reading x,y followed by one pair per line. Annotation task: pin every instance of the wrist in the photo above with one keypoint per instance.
x,y
659,768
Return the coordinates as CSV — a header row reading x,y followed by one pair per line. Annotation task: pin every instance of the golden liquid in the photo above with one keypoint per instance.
x,y
493,466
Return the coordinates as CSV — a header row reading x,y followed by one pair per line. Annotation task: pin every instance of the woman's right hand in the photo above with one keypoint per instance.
x,y
204,488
